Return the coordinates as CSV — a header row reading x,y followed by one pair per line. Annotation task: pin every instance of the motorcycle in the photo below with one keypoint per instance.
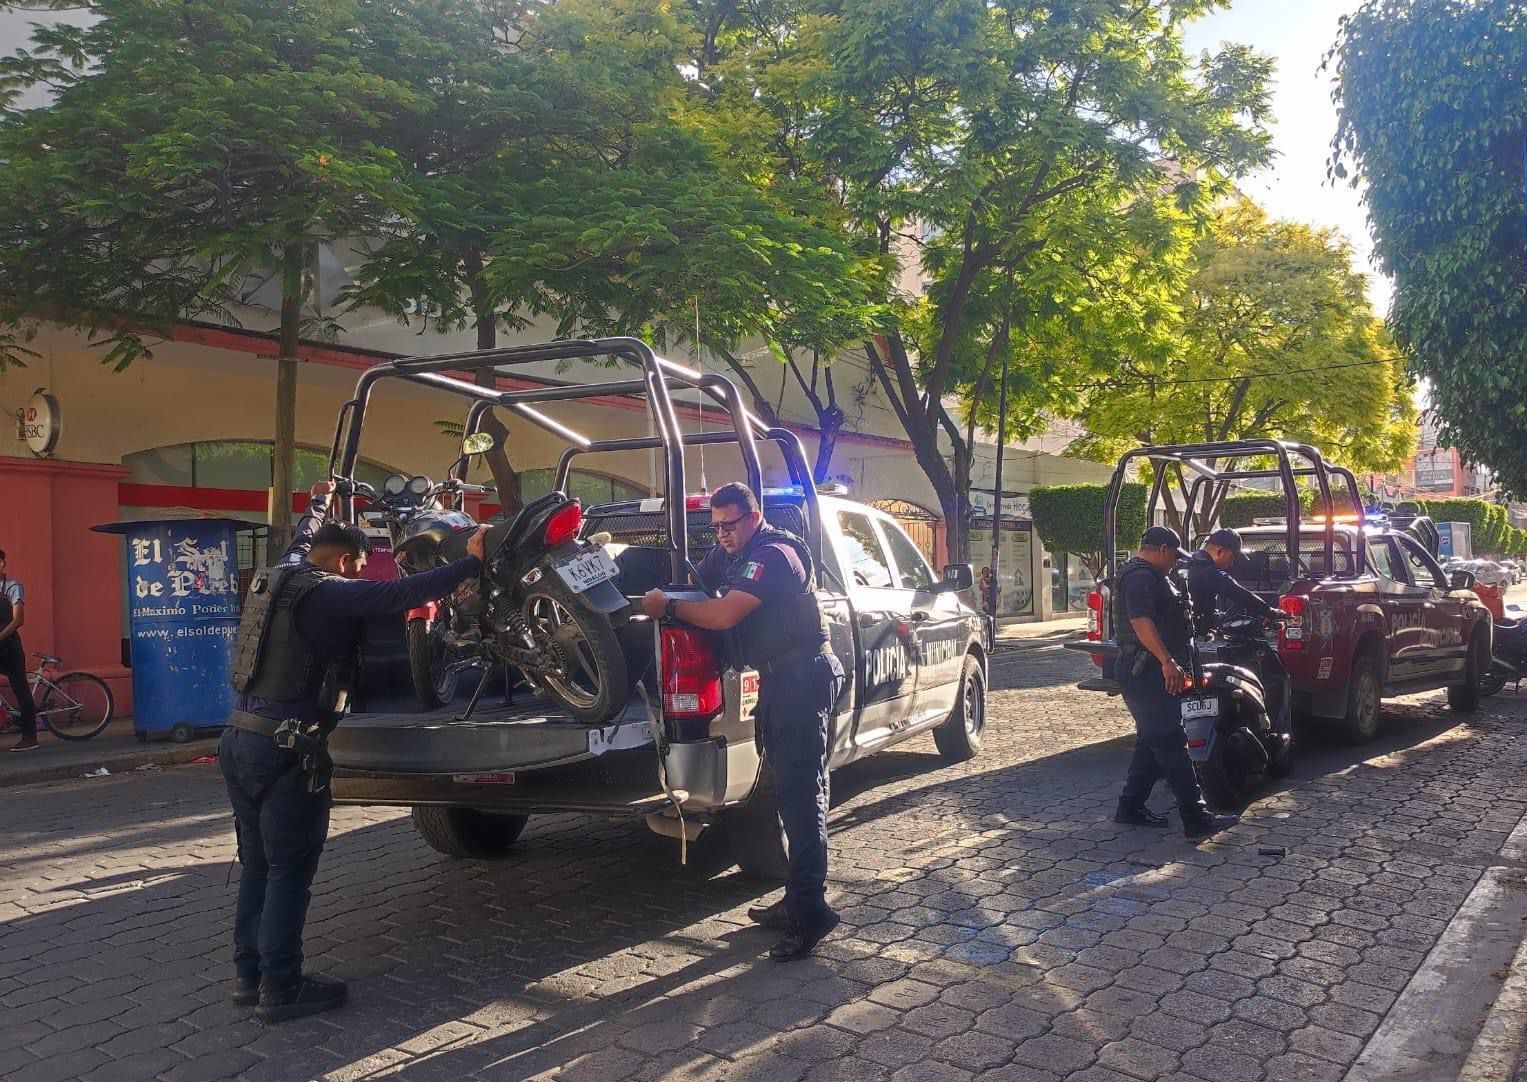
x,y
546,603
1508,663
1236,712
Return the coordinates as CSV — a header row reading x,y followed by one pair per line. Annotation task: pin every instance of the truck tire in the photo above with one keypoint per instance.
x,y
433,683
1364,692
1464,698
959,736
754,833
468,832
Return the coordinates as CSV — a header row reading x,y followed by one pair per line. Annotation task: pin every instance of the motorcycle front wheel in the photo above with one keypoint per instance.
x,y
595,683
434,681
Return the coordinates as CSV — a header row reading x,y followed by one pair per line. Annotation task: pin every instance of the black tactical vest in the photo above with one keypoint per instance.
x,y
270,659
1172,616
775,628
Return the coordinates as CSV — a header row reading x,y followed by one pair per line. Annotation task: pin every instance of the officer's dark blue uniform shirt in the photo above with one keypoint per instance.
x,y
1148,595
1208,586
770,572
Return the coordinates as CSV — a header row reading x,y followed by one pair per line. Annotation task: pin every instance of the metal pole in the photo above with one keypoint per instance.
x,y
996,515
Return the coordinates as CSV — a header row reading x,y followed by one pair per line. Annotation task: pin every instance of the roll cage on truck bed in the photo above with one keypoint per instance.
x,y
1369,611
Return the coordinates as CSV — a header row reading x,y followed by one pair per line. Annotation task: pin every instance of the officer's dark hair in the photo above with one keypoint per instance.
x,y
735,494
341,535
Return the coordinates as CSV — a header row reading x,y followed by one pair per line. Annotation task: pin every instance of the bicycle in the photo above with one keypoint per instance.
x,y
74,706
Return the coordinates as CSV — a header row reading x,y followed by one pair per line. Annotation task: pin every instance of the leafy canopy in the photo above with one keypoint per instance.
x,y
1432,118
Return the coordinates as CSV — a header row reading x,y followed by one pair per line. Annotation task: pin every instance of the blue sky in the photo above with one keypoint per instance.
x,y
1298,33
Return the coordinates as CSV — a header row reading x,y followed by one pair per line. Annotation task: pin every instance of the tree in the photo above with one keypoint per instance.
x,y
1277,339
190,147
1045,165
1070,518
1432,121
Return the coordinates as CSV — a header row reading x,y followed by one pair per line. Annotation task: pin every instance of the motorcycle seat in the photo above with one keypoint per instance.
x,y
513,531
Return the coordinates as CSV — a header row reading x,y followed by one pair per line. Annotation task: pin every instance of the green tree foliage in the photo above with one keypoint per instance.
x,y
189,148
1489,525
1045,164
1432,120
1276,339
1069,518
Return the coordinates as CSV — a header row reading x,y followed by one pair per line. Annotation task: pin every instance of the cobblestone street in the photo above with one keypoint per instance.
x,y
997,924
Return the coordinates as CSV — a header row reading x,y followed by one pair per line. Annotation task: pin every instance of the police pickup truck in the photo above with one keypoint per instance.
x,y
681,753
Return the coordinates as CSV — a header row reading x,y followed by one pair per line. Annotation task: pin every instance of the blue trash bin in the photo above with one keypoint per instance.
x,y
183,597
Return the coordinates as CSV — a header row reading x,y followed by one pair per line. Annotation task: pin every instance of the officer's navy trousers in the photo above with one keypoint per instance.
x,y
1161,745
794,712
281,829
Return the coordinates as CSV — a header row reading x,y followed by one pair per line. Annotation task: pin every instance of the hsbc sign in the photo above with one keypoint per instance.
x,y
38,423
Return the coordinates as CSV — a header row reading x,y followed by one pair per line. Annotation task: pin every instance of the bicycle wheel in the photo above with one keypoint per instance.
x,y
76,706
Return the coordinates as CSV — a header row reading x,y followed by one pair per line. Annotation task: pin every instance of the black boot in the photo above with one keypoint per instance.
x,y
246,991
309,995
775,917
802,940
1138,816
1201,825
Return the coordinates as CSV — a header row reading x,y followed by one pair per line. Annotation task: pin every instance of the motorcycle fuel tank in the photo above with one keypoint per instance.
x,y
435,538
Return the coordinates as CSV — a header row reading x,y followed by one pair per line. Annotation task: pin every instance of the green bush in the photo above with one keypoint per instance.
x,y
1069,518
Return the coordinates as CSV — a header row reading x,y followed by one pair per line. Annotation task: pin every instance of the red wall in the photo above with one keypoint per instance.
x,y
72,576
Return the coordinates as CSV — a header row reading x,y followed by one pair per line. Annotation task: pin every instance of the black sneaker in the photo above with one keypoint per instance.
x,y
802,941
246,991
1197,828
1139,817
310,995
775,917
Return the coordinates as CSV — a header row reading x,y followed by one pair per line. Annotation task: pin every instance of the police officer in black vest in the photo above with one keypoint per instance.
x,y
1150,622
768,595
294,660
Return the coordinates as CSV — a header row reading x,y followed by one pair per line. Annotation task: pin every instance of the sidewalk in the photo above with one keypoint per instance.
x,y
116,749
1050,631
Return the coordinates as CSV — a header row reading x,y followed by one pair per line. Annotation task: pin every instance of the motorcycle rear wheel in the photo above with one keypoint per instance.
x,y
434,682
596,682
1224,784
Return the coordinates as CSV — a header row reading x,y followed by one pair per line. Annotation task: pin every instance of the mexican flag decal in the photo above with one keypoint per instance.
x,y
753,572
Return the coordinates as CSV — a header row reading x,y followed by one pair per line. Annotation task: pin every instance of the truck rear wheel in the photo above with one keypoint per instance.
x,y
1364,692
959,736
468,832
1464,698
754,833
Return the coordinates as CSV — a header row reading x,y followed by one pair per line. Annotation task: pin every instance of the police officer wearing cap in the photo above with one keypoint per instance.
x,y
767,598
294,661
1150,624
1212,587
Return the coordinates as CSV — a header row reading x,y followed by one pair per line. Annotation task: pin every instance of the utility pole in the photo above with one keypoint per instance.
x,y
996,514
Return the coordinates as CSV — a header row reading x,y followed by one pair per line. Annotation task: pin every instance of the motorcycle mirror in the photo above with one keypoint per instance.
x,y
478,443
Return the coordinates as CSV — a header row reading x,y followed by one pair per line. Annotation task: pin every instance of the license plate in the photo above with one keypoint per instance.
x,y
1200,708
587,569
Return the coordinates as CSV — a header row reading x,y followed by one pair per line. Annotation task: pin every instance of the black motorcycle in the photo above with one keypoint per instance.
x,y
546,603
1508,663
1236,712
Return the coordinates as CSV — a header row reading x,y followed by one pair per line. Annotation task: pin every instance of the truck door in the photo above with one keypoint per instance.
x,y
1402,604
1446,648
939,628
885,673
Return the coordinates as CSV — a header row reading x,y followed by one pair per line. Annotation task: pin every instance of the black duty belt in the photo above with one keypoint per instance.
x,y
254,723
790,657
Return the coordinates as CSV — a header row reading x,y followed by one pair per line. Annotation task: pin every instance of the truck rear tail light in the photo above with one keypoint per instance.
x,y
1291,635
564,524
1095,621
691,676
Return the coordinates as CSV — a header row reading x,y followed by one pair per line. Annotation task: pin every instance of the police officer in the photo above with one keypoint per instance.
x,y
1151,625
294,659
1211,586
767,595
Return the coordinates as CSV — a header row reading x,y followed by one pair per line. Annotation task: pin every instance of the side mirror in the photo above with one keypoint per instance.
x,y
1461,580
957,577
478,443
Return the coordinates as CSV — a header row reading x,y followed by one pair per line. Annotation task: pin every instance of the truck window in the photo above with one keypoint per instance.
x,y
913,569
1423,572
1379,559
862,553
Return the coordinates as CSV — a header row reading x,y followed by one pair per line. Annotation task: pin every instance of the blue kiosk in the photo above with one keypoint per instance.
x,y
183,603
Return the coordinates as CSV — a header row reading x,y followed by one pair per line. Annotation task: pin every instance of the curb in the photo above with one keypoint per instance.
x,y
118,763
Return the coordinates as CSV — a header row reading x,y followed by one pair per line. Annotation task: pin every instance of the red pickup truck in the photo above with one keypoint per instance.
x,y
1371,614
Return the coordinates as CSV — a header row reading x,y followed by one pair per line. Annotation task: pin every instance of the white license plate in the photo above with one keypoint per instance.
x,y
587,569
1200,708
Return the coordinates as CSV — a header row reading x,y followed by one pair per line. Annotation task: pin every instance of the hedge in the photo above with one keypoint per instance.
x,y
1069,518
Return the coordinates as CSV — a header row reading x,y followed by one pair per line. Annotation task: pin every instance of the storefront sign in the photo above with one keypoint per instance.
x,y
1012,506
38,423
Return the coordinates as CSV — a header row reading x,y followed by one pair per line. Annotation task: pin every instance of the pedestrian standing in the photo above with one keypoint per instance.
x,y
13,656
1150,623
768,597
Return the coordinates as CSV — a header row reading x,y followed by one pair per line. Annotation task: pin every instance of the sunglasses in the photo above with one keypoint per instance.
x,y
728,527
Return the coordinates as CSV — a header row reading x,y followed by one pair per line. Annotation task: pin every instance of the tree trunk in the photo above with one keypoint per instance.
x,y
283,459
829,424
506,479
